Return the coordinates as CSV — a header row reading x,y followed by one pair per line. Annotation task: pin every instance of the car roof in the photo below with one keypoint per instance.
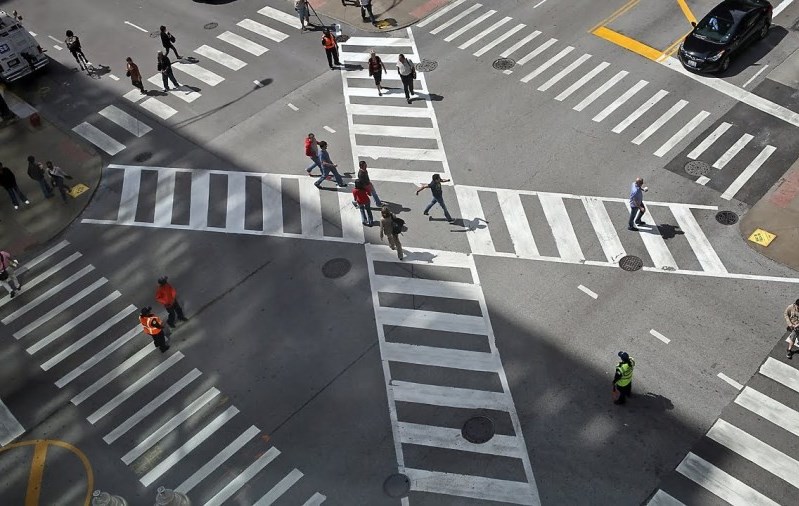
x,y
743,6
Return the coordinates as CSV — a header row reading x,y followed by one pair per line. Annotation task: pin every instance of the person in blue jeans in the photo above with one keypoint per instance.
x,y
361,196
327,166
363,177
637,207
438,196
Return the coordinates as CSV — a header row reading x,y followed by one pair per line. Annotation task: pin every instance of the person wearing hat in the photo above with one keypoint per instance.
x,y
154,328
623,379
168,297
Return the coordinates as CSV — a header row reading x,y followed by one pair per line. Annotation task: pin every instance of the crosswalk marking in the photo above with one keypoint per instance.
x,y
389,110
452,397
125,120
709,140
480,241
494,43
603,226
720,483
164,192
220,57
311,221
200,73
544,66
512,49
582,81
781,373
376,152
732,151
272,204
643,108
485,32
96,359
183,92
370,42
200,187
655,245
441,357
134,95
315,500
284,17
440,258
535,52
220,458
99,138
476,487
563,73
600,91
468,26
748,172
279,489
263,30
158,108
30,264
242,43
236,191
766,407
431,320
426,287
661,498
360,57
558,219
451,439
518,227
38,322
451,21
115,372
47,294
439,13
682,133
239,481
394,131
696,238
129,196
655,126
623,98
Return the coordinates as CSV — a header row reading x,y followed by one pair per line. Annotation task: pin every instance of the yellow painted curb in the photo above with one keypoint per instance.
x,y
628,43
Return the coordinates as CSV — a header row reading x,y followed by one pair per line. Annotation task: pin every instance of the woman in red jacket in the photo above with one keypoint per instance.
x,y
361,196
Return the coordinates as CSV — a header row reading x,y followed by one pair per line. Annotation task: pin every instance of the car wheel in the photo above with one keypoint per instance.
x,y
764,30
725,64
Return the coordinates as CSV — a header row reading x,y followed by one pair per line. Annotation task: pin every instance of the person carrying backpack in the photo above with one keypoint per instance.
x,y
391,227
73,44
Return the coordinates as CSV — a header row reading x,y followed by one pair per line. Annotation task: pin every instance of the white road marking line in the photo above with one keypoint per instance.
x,y
32,34
660,336
134,95
658,123
169,426
375,42
198,72
518,227
96,359
562,229
544,66
600,91
280,488
730,381
781,7
10,428
469,26
59,309
389,110
200,194
582,81
682,133
431,320
452,397
748,172
654,243
476,487
362,57
158,108
220,57
764,406
293,107
398,176
318,499
535,52
235,212
507,72
125,120
451,439
351,227
242,43
183,92
394,131
43,276
30,264
262,30
732,151
129,196
451,21
709,140
781,373
438,258
57,41
441,357
520,43
721,484
164,198
416,154
113,77
703,180
426,287
764,67
643,108
661,498
485,32
311,221
605,231
272,203
220,458
283,17
57,47
491,45
539,4
71,324
136,27
587,291
479,236
99,138
329,129
563,73
697,239
46,295
239,481
115,372
258,84
439,13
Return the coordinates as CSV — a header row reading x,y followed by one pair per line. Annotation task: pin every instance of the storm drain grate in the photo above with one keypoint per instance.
x,y
336,268
503,64
631,263
697,168
426,66
143,157
397,485
211,25
478,430
727,217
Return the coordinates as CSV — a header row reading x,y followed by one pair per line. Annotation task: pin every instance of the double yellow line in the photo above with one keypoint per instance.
x,y
621,10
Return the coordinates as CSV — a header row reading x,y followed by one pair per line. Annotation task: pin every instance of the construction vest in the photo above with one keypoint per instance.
x,y
328,41
148,323
626,371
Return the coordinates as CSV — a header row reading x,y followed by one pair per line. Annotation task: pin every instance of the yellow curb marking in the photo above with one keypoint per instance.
x,y
687,11
77,190
762,237
628,43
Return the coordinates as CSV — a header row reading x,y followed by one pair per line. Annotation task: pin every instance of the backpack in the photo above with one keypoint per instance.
x,y
72,43
396,225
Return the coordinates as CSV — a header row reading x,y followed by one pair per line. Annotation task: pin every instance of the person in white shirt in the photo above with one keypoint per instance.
x,y
407,73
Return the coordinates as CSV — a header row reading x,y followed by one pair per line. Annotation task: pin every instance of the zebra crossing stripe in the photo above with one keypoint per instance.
x,y
377,42
220,57
600,91
220,458
479,236
129,196
116,371
315,500
451,439
200,192
99,138
510,203
199,73
30,264
376,152
125,120
582,81
289,19
242,43
512,49
502,38
732,151
183,92
441,357
57,310
766,407
654,243
311,205
272,206
239,481
468,26
544,66
655,126
439,13
158,108
43,276
661,498
563,73
781,373
451,21
452,397
96,359
46,295
426,287
643,108
475,487
682,133
709,140
280,488
623,98
164,192
748,172
389,110
262,30
394,131
485,32
236,193
431,320
562,229
603,226
364,57
697,240
721,484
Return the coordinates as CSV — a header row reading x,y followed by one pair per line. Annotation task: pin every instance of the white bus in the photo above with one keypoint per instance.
x,y
20,54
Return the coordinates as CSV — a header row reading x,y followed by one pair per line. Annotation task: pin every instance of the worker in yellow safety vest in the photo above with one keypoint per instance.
x,y
153,327
623,379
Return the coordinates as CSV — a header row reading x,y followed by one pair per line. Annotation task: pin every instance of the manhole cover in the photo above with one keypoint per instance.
x,y
336,268
478,430
143,157
397,485
503,64
697,168
154,35
426,65
211,25
342,38
631,263
727,217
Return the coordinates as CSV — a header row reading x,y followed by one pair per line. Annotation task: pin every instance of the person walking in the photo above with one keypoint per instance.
x,y
73,45
153,327
9,181
312,152
167,296
361,196
391,227
623,378
7,277
327,166
134,74
363,177
637,207
376,69
331,48
366,8
168,41
57,177
407,73
792,319
36,172
301,6
165,67
438,195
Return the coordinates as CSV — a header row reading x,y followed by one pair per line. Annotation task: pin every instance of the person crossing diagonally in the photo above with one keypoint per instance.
x,y
623,377
153,327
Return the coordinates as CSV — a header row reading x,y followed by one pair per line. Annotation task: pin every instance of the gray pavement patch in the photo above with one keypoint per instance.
x,y
336,268
727,217
697,168
478,430
631,263
397,485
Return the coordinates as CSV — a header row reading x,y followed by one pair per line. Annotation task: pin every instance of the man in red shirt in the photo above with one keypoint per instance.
x,y
168,296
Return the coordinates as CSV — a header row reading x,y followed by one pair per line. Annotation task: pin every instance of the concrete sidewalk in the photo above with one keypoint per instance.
x,y
389,14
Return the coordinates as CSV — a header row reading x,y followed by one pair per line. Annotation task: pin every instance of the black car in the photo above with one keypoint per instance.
x,y
728,28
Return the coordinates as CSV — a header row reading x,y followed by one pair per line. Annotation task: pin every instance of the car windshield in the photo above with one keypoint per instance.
x,y
716,28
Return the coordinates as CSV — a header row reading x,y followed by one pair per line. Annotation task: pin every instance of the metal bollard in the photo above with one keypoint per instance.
x,y
168,497
105,499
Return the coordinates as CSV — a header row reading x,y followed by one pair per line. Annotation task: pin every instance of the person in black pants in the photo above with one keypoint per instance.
x,y
331,48
366,8
165,67
167,40
407,73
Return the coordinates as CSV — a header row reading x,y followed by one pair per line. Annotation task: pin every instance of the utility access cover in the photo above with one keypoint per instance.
x,y
503,64
631,263
697,168
727,217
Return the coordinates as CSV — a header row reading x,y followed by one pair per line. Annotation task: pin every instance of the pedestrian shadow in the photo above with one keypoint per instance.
x,y
351,67
396,208
650,402
420,256
469,225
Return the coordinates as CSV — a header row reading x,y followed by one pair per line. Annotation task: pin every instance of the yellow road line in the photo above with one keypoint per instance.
x,y
36,474
673,47
686,11
628,43
621,10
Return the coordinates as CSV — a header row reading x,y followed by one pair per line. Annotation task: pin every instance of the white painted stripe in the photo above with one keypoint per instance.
x,y
236,194
535,52
703,250
661,498
30,264
242,43
781,373
99,138
239,481
400,176
315,500
311,221
364,74
654,243
643,108
74,322
182,92
361,57
377,42
113,373
544,66
749,81
280,488
46,295
660,336
479,236
703,180
439,13
747,173
262,30
563,73
80,343
129,196
136,27
485,32
53,39
96,359
328,129
389,110
721,484
10,428
440,357
476,487
272,203
603,226
125,120
59,309
164,198
777,413
220,458
562,230
199,73
425,287
432,257
734,150
394,131
516,220
730,381
43,276
158,108
186,448
468,26
587,291
113,77
494,43
655,126
451,21
33,34
582,81
781,7
682,133
451,439
289,19
709,140
600,91
151,406
623,98
432,320
293,107
506,53
220,57
200,195
452,397
351,227
377,152
170,425
137,385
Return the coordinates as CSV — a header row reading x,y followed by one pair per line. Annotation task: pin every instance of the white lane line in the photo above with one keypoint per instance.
x,y
199,73
709,140
33,34
748,172
754,76
99,138
730,381
519,229
262,30
721,484
439,13
485,32
479,236
781,373
113,77
562,230
452,397
587,291
426,287
329,129
451,439
200,194
661,498
544,66
239,481
441,357
781,7
293,107
468,26
660,336
732,151
151,406
311,221
431,320
682,133
283,17
125,120
697,239
71,324
394,131
475,487
41,258
539,4
658,123
280,488
96,359
242,43
169,426
115,372
220,57
605,231
46,295
10,428
643,108
164,198
535,52
520,43
57,41
582,81
600,91
764,406
158,108
272,203
235,211
451,21
136,27
220,458
703,180
317,499
563,73
186,448
494,43
43,276
59,309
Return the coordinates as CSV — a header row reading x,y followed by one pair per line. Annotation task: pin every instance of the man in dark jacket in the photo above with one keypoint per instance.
x,y
9,182
36,172
165,67
167,40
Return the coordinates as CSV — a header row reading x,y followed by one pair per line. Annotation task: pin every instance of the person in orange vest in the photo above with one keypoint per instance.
x,y
331,48
154,328
168,297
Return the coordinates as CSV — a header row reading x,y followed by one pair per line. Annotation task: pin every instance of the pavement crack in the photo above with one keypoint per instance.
x,y
221,295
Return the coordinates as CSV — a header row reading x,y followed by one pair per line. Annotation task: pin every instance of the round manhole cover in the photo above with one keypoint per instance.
x,y
342,38
697,168
503,64
478,430
631,263
397,485
211,25
154,35
426,65
336,268
727,217
143,157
